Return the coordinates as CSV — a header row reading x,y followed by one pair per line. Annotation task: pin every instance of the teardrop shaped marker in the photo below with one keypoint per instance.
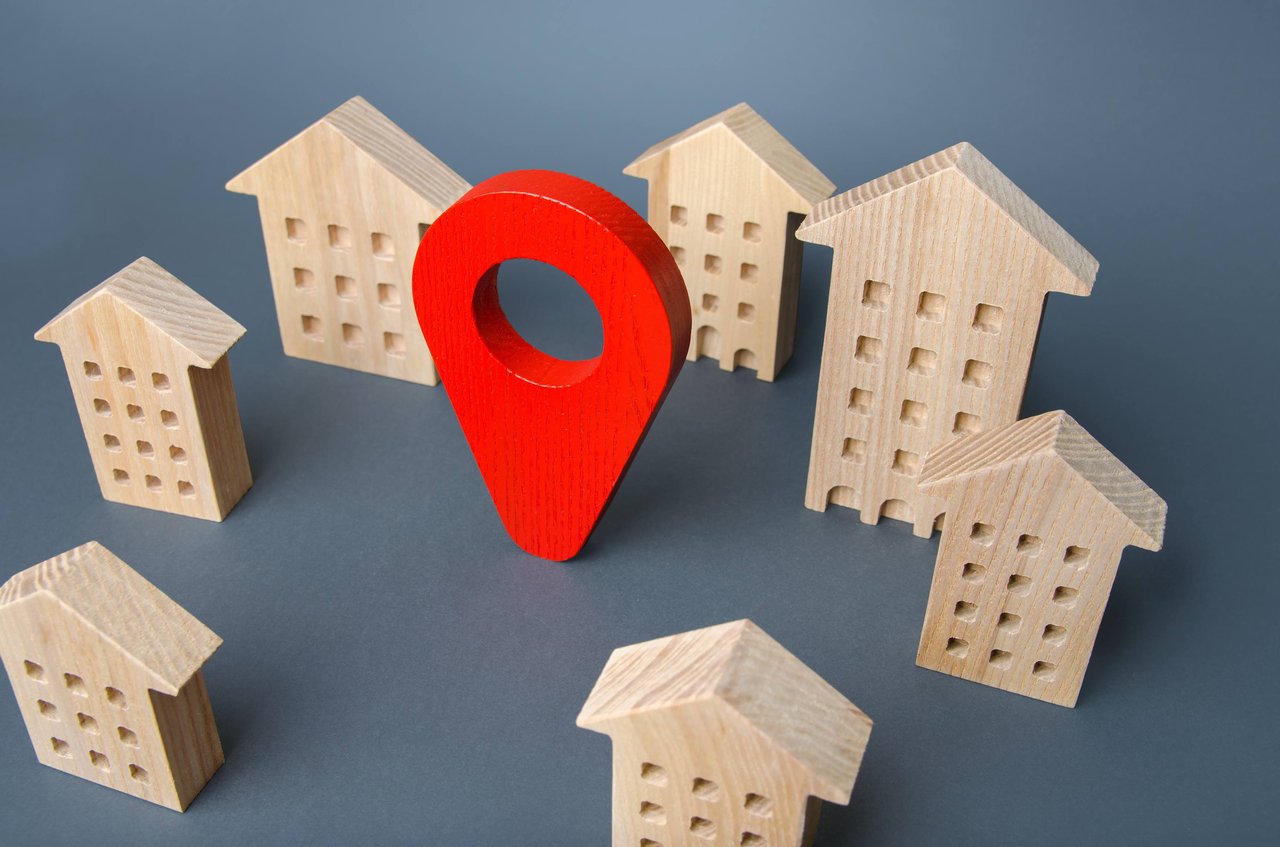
x,y
552,437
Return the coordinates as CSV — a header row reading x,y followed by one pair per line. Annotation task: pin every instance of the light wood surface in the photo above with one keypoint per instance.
x,y
107,673
939,275
146,358
721,736
1038,513
343,205
726,195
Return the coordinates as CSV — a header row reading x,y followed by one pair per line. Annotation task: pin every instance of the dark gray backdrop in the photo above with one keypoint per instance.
x,y
395,671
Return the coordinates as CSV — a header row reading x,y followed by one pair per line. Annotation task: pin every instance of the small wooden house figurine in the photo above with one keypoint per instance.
x,y
722,736
344,204
938,279
1038,513
107,672
726,195
147,360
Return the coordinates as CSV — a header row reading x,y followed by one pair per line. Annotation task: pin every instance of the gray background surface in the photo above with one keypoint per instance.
x,y
395,671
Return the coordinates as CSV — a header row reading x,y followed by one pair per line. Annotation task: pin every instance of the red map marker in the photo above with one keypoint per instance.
x,y
552,437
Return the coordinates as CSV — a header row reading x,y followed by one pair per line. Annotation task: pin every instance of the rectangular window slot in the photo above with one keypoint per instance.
x,y
711,264
311,327
1001,659
127,376
111,443
346,287
854,450
752,232
746,312
906,463
120,476
988,318
177,454
966,424
352,335
875,295
102,407
153,483
679,215
678,254
868,349
977,374
296,230
914,413
932,307
715,224
749,272
393,343
169,419
710,302
922,362
135,413
383,248
160,382
388,295
339,237
145,450
186,489
304,279
860,401
92,371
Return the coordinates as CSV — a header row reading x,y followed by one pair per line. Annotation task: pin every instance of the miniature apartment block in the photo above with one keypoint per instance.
x,y
726,195
1038,514
147,360
721,736
107,672
344,204
938,279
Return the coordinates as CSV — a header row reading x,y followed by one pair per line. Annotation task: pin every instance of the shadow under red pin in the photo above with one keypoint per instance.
x,y
552,437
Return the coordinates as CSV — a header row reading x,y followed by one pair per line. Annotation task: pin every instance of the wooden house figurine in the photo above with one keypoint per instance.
x,y
107,672
344,204
1038,513
938,279
721,736
726,195
147,361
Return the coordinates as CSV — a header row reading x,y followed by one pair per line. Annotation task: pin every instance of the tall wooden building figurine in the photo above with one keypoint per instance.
x,y
722,736
938,279
147,360
1038,513
727,195
108,675
344,204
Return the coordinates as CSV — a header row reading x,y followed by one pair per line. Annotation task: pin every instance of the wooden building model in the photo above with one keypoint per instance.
x,y
938,279
107,672
147,361
720,736
344,204
1038,513
727,195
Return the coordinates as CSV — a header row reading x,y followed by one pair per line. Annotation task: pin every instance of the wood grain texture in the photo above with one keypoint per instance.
x,y
1038,514
552,438
939,276
726,195
343,206
721,736
107,673
146,358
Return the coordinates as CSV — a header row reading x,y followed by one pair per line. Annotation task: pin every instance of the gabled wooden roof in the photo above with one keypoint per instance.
x,y
965,159
390,146
112,598
741,666
160,298
1054,434
769,145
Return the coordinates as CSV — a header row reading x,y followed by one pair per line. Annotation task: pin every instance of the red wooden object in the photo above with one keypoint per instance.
x,y
552,437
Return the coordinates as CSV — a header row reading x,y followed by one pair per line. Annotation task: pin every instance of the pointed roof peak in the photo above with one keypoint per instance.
x,y
769,145
163,300
1053,434
966,160
164,639
387,144
741,666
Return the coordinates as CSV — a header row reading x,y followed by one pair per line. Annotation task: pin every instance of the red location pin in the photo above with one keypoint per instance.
x,y
552,437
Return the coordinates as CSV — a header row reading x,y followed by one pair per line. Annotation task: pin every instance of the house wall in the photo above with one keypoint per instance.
x,y
222,437
86,706
190,737
137,409
341,235
1026,564
935,306
727,220
698,771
